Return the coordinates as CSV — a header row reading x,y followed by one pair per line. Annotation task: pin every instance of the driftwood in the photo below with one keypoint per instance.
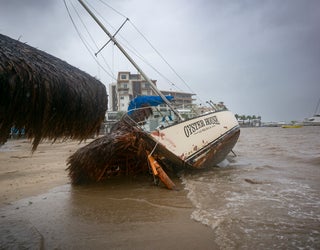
x,y
122,152
46,96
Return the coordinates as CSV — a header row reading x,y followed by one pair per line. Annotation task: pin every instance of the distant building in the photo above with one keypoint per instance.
x,y
182,100
129,86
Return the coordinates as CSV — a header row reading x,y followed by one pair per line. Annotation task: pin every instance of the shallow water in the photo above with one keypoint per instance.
x,y
268,197
121,214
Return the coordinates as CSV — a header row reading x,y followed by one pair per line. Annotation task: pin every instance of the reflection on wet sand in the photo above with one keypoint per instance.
x,y
120,214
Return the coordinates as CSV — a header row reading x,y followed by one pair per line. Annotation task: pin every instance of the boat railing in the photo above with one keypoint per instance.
x,y
149,118
157,118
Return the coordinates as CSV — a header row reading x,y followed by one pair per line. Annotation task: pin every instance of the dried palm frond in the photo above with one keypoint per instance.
x,y
46,96
122,152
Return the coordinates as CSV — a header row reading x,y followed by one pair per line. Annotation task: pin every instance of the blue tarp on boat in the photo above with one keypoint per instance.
x,y
146,99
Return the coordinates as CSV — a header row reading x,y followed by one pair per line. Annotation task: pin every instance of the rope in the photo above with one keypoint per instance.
x,y
137,54
169,65
154,148
113,8
129,47
85,43
110,39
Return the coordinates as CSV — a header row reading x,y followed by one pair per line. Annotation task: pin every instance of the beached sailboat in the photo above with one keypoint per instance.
x,y
198,142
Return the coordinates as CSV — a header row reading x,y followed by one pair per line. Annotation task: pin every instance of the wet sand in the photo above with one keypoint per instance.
x,y
24,174
41,210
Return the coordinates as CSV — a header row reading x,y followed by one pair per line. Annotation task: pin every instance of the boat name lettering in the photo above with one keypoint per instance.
x,y
211,120
194,127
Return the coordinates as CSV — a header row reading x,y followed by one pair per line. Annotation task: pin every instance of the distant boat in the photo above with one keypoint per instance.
x,y
292,126
315,119
312,121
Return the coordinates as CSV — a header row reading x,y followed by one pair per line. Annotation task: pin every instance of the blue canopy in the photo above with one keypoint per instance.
x,y
146,99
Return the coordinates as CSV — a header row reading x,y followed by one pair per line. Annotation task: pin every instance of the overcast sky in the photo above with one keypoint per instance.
x,y
261,57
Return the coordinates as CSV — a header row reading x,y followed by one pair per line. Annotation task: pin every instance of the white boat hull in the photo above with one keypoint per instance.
x,y
199,142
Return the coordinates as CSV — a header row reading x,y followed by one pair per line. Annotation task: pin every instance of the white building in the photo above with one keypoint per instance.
x,y
129,86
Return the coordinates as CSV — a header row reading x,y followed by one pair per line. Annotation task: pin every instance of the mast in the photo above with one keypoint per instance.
x,y
317,107
113,39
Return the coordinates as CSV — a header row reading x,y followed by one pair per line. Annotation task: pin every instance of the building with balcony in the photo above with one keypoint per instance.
x,y
129,86
182,100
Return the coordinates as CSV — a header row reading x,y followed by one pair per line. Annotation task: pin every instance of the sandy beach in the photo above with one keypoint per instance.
x,y
23,174
267,200
41,210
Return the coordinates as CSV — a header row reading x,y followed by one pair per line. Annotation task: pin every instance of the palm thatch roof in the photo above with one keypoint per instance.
x,y
46,96
122,152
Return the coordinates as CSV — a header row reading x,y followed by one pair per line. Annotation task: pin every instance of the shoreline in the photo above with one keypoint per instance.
x,y
41,210
24,174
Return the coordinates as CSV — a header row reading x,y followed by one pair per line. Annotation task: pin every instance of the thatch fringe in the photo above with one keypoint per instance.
x,y
122,152
46,96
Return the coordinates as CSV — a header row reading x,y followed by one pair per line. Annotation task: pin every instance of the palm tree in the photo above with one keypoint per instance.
x,y
243,117
249,117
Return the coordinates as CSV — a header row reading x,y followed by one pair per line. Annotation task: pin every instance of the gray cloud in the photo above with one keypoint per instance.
x,y
260,57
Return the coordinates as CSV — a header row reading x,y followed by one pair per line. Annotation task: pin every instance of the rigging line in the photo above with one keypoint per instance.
x,y
127,19
102,17
133,50
98,14
110,39
129,46
161,57
137,54
317,107
112,8
142,58
119,13
83,40
92,39
112,49
85,27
